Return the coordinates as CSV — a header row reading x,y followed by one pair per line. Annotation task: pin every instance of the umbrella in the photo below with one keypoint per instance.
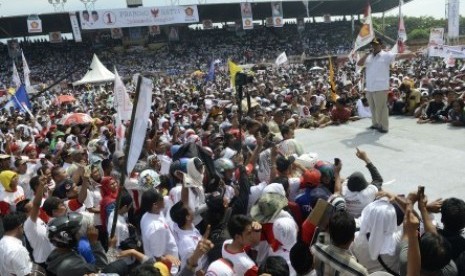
x,y
76,118
316,68
65,99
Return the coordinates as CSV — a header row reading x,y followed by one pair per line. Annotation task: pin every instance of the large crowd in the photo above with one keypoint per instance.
x,y
214,192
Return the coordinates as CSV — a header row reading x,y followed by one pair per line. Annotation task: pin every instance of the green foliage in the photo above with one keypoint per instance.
x,y
418,34
415,26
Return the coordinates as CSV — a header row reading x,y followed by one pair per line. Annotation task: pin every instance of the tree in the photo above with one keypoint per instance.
x,y
418,34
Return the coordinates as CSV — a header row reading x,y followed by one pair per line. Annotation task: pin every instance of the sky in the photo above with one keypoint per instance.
x,y
435,8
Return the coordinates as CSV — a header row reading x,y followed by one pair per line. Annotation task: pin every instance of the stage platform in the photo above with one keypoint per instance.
x,y
409,155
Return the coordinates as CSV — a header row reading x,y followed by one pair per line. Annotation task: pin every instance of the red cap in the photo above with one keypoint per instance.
x,y
310,178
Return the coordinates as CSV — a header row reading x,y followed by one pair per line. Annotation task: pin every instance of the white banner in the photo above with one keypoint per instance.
x,y
121,102
140,123
445,51
75,27
453,19
138,17
247,18
34,25
277,13
436,36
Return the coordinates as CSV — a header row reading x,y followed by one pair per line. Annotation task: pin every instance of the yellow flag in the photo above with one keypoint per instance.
x,y
233,70
331,81
11,90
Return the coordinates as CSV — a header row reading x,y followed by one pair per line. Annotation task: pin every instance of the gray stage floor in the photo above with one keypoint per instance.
x,y
408,156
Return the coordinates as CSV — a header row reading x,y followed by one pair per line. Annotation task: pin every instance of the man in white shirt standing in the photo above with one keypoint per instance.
x,y
13,255
35,228
377,64
157,238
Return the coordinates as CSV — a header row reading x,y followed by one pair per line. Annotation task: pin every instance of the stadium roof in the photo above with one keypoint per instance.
x,y
227,12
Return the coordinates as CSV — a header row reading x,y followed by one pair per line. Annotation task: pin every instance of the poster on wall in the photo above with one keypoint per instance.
x,y
247,18
277,14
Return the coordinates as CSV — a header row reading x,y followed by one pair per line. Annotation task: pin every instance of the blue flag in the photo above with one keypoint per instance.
x,y
211,72
20,99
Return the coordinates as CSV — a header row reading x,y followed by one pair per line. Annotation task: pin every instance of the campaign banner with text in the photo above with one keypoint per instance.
x,y
247,18
277,13
75,27
138,17
436,36
34,24
445,51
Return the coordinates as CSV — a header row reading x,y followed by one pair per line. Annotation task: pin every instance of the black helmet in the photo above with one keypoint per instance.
x,y
62,230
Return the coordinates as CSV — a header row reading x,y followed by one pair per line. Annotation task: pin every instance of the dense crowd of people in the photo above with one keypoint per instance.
x,y
215,192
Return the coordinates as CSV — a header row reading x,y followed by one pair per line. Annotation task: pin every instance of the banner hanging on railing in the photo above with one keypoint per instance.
x,y
247,18
138,17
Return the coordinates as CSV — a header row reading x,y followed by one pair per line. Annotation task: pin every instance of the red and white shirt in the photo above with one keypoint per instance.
x,y
243,265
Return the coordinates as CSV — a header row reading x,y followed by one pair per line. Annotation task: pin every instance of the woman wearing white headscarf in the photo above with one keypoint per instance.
x,y
376,245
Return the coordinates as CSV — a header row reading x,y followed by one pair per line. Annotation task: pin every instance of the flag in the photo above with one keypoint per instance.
x,y
211,72
21,100
233,70
26,71
16,80
281,59
121,102
140,123
332,83
306,7
399,47
367,33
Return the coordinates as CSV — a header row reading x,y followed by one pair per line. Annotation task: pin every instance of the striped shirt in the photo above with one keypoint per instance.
x,y
330,260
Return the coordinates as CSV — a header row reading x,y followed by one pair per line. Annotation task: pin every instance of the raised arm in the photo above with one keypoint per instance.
x,y
38,198
377,180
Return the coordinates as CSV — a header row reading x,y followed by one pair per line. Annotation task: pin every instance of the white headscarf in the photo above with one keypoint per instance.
x,y
379,219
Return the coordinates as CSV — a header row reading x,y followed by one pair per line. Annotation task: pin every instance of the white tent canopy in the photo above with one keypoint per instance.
x,y
97,73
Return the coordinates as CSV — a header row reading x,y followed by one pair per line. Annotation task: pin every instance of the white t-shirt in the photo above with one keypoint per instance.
x,y
93,199
14,257
356,201
377,71
12,198
156,236
359,249
242,262
23,181
294,188
121,231
36,233
187,241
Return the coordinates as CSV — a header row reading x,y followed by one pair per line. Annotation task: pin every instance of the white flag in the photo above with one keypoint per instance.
x,y
16,80
281,59
306,7
399,47
122,103
367,33
26,72
140,123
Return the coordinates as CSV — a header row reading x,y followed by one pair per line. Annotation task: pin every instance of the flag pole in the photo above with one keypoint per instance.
x,y
126,153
